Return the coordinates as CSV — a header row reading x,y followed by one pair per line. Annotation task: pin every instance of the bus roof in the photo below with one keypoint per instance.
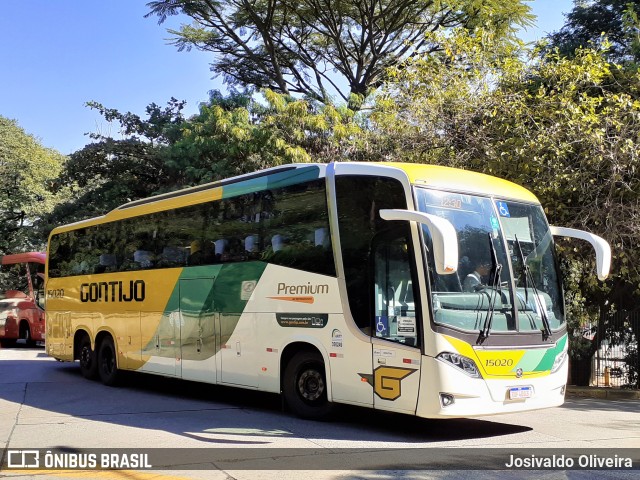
x,y
27,257
434,176
274,177
454,179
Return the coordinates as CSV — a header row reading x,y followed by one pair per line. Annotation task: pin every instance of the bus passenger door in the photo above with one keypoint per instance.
x,y
395,332
238,356
197,333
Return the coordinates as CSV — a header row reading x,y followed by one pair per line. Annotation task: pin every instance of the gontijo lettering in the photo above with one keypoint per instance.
x,y
115,291
307,289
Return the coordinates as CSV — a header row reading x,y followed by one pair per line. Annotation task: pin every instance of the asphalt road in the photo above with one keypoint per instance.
x,y
46,404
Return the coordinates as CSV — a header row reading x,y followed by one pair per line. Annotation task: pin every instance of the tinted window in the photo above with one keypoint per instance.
x,y
287,226
359,201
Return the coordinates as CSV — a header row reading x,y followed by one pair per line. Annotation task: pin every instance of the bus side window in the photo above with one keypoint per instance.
x,y
107,263
39,290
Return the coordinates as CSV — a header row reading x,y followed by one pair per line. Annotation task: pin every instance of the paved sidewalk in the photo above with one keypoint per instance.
x,y
603,392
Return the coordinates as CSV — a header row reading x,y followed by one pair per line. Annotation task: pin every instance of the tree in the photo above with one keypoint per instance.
x,y
229,136
29,190
593,21
109,172
164,151
323,48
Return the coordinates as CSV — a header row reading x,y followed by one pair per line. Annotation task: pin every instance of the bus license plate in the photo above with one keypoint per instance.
x,y
520,392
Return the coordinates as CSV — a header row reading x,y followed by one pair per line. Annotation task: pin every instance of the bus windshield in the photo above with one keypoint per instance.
x,y
507,278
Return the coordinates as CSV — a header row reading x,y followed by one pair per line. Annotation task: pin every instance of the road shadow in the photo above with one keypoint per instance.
x,y
201,412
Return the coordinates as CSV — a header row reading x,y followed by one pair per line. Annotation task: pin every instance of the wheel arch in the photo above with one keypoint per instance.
x,y
22,324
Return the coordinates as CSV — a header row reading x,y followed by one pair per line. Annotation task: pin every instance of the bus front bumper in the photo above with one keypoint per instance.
x,y
447,392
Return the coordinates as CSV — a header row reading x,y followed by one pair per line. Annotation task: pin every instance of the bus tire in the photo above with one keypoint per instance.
x,y
88,360
305,386
107,362
25,334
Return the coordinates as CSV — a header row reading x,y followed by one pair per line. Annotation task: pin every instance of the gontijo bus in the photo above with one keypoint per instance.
x,y
338,283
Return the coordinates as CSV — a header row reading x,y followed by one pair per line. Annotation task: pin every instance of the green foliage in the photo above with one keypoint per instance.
x,y
29,188
228,138
109,172
316,47
231,135
590,23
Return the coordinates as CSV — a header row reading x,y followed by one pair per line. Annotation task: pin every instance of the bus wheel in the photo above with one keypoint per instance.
x,y
107,366
88,360
305,386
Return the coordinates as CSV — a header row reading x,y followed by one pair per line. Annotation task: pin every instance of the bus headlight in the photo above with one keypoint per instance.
x,y
465,364
560,358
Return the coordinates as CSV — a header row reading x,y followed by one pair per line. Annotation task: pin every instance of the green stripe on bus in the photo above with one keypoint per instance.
x,y
277,180
547,361
530,360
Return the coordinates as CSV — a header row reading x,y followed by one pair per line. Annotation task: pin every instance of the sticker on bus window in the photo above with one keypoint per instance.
x,y
503,209
247,289
407,327
495,225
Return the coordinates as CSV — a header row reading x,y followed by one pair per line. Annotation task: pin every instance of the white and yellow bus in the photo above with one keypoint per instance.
x,y
411,288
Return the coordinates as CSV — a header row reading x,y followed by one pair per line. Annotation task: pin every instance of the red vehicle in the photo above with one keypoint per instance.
x,y
22,298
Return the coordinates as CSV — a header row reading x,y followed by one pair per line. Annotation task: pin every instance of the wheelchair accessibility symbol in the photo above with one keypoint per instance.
x,y
503,209
382,325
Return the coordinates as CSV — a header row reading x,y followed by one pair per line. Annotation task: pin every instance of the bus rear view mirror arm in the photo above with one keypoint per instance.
x,y
445,239
602,248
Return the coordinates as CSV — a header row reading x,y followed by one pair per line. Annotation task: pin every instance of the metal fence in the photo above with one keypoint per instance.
x,y
615,361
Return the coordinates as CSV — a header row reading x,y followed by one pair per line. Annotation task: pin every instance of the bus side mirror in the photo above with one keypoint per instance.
x,y
602,248
445,239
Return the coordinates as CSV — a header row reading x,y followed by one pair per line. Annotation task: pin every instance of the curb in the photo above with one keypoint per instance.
x,y
602,392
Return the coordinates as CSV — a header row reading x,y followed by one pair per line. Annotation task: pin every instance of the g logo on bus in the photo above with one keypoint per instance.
x,y
387,381
518,373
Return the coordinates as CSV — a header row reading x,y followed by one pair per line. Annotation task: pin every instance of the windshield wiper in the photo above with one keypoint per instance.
x,y
528,278
496,268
